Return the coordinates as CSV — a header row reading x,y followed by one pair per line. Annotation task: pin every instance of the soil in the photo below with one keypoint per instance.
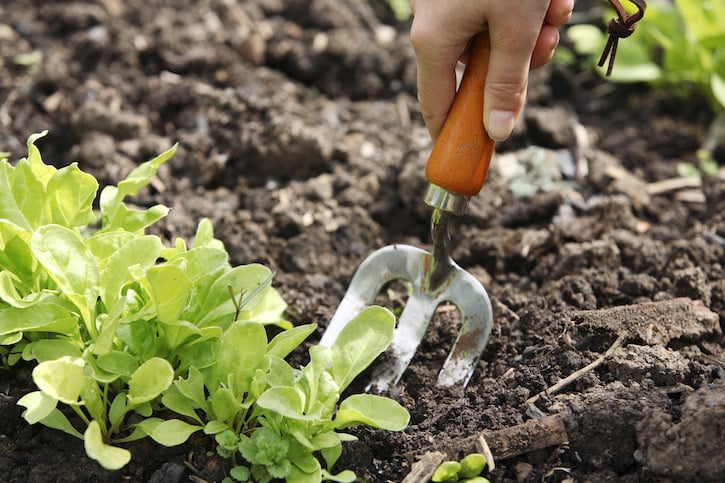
x,y
299,137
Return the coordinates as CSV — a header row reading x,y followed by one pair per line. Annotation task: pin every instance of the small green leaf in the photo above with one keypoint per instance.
x,y
472,465
57,420
69,262
242,350
204,236
170,290
38,406
61,379
362,340
117,410
305,469
91,397
110,457
375,411
115,214
279,373
250,281
48,315
224,405
70,195
447,472
105,244
148,381
140,253
170,432
287,341
15,254
268,310
332,453
286,401
117,362
177,402
239,473
345,476
193,387
51,349
214,427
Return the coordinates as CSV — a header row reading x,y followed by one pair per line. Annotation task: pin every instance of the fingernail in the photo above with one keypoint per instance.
x,y
500,125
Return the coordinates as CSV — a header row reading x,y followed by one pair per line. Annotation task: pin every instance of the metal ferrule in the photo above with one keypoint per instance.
x,y
444,200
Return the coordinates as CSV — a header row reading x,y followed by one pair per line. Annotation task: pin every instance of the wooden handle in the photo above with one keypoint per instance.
x,y
462,153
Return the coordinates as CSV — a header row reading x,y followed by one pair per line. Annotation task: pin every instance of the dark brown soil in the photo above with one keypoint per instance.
x,y
300,138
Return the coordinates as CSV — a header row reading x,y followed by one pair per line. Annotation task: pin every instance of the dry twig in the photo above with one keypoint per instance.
x,y
577,374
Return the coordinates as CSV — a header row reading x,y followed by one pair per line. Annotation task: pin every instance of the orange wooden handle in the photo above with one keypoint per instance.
x,y
462,153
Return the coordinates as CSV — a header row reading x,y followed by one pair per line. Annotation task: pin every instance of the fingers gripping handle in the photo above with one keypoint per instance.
x,y
459,162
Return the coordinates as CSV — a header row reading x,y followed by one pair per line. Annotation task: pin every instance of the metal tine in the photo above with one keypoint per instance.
x,y
405,262
476,314
474,306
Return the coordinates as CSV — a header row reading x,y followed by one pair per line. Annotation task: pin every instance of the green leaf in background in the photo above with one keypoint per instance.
x,y
588,39
705,19
717,84
678,45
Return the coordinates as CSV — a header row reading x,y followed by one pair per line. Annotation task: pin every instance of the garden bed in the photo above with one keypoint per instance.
x,y
299,137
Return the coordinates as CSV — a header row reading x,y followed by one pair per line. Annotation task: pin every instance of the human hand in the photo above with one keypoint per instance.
x,y
523,36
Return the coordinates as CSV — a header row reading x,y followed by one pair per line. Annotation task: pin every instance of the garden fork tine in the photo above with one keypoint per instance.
x,y
456,170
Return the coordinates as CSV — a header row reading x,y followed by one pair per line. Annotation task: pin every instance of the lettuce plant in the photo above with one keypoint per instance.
x,y
121,325
278,419
678,44
109,313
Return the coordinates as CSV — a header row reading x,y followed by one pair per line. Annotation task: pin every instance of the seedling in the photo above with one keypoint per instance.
x,y
467,470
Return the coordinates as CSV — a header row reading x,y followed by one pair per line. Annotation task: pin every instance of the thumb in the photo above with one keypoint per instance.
x,y
506,83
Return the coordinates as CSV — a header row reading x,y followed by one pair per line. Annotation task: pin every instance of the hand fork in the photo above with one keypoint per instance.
x,y
456,170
